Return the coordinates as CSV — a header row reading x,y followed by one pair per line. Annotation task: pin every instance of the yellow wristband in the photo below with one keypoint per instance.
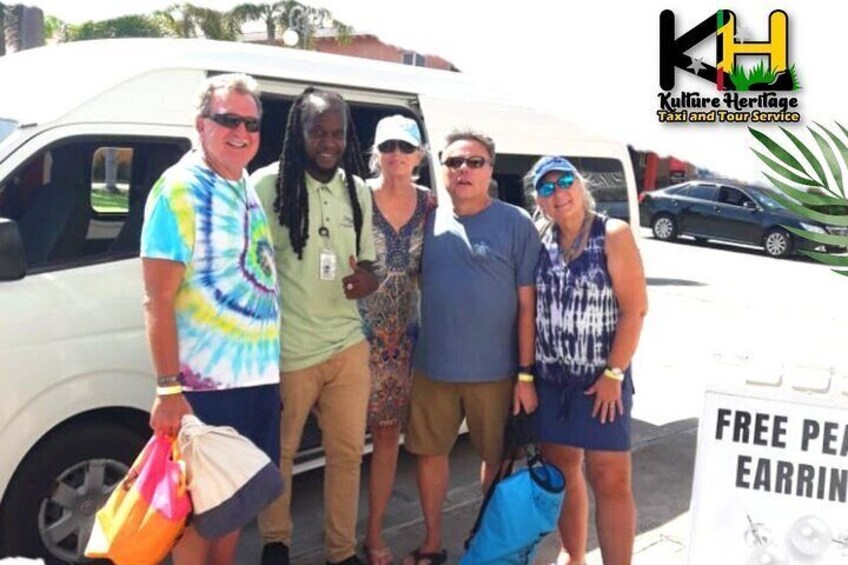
x,y
169,390
525,378
614,374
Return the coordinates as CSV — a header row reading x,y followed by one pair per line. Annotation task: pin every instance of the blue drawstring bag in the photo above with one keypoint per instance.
x,y
520,508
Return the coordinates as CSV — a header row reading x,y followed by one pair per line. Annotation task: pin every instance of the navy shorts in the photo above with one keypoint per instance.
x,y
253,411
564,417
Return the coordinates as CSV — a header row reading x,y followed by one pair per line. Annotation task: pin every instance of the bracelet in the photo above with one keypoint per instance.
x,y
168,380
525,377
169,390
614,373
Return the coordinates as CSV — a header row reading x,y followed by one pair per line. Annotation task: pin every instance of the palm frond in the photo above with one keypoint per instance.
x,y
784,172
829,158
809,156
830,219
777,150
804,194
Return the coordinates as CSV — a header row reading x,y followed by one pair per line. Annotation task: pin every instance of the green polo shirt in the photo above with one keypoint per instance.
x,y
316,319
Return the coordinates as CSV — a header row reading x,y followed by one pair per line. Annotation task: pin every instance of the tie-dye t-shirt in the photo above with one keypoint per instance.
x,y
226,308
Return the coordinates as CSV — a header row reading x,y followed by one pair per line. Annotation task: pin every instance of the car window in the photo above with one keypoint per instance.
x,y
767,201
735,197
702,191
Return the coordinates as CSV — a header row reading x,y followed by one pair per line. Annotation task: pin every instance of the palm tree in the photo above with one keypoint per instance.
x,y
186,20
273,15
290,13
178,20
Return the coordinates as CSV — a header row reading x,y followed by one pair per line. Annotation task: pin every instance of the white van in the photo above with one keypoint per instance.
x,y
85,130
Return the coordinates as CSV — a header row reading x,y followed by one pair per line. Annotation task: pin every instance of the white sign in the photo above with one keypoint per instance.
x,y
771,482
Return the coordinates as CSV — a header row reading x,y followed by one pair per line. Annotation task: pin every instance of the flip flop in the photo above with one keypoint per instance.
x,y
430,558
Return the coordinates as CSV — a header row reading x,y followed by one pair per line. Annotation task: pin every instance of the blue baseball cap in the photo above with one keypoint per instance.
x,y
397,127
551,163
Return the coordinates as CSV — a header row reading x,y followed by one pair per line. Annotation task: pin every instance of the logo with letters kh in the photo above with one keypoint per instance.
x,y
757,93
732,42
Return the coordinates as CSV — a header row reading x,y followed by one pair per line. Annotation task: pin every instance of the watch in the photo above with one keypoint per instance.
x,y
614,373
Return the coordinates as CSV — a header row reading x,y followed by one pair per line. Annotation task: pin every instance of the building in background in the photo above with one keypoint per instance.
x,y
361,44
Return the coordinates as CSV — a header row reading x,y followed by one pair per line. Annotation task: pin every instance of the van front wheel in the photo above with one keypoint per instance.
x,y
49,507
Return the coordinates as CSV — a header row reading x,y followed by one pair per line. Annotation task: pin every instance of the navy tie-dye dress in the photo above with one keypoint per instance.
x,y
576,320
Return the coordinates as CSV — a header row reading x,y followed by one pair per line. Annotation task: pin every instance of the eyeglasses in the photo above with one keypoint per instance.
x,y
392,144
472,162
564,182
232,121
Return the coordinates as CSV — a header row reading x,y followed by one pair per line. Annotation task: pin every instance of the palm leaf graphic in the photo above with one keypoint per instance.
x,y
812,185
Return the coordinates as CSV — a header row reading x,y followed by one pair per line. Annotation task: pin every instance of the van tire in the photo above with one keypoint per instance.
x,y
65,457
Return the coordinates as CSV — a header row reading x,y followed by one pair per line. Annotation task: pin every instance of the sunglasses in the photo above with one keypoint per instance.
x,y
564,182
472,162
232,121
392,144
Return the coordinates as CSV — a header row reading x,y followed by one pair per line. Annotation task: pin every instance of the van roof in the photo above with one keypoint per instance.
x,y
81,70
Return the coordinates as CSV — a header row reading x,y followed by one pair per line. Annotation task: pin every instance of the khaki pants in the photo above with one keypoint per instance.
x,y
339,388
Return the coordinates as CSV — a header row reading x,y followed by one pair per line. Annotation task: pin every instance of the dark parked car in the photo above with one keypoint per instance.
x,y
749,215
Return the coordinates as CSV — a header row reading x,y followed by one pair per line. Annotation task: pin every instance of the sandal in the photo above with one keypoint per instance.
x,y
382,556
430,558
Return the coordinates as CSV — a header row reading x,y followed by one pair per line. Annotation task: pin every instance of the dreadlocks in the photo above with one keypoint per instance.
x,y
292,201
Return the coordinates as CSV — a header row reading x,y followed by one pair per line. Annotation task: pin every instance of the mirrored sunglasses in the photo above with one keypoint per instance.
x,y
564,182
392,144
457,162
232,121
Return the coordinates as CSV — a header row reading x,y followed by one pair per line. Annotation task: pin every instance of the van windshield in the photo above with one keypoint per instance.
x,y
6,128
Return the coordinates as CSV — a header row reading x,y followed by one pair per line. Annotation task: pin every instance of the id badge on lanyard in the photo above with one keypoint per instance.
x,y
328,260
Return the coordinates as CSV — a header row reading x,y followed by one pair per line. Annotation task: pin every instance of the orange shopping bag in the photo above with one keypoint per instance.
x,y
146,512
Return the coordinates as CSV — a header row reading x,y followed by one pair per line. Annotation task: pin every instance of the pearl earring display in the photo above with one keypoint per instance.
x,y
810,536
759,536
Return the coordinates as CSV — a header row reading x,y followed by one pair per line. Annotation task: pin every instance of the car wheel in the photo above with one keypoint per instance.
x,y
777,243
49,507
664,227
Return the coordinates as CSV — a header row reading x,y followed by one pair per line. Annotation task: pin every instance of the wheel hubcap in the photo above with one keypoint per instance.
x,y
66,516
663,228
776,244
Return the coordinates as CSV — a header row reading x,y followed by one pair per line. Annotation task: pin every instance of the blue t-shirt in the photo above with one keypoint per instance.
x,y
471,270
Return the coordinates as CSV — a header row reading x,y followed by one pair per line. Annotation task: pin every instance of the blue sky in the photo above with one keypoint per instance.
x,y
595,63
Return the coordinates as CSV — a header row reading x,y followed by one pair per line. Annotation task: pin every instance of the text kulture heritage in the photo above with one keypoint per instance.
x,y
730,100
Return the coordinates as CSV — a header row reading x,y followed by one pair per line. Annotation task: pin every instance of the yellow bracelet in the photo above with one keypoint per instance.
x,y
525,378
614,374
169,390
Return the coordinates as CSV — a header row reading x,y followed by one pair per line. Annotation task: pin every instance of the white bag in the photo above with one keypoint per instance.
x,y
230,480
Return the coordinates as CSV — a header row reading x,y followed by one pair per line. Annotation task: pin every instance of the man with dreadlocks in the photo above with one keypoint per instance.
x,y
323,258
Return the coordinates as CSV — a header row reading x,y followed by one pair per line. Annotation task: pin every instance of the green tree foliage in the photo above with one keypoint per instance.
x,y
188,20
279,16
125,26
274,16
54,28
810,178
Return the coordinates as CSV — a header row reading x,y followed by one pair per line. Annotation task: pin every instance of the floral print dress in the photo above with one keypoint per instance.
x,y
390,314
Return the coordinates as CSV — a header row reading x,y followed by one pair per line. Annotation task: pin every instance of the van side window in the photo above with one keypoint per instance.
x,y
110,180
81,201
607,183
